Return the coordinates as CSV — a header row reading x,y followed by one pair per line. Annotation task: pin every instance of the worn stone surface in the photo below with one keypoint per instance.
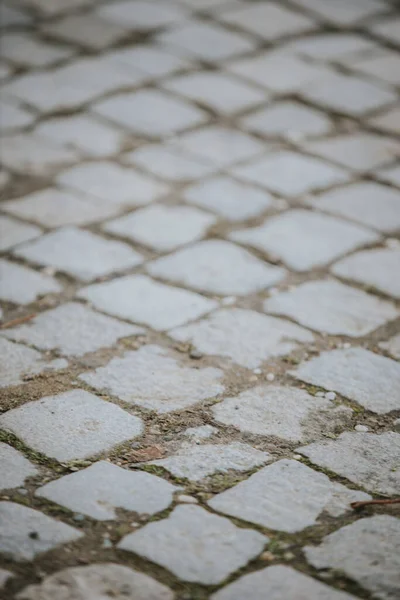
x,y
22,286
153,379
366,551
18,522
33,155
13,232
392,346
15,468
195,545
24,50
286,496
71,425
367,459
200,433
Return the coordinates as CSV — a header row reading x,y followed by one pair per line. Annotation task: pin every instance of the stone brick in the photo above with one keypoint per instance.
x,y
275,583
286,496
195,545
25,533
140,299
103,487
13,232
228,198
367,551
366,459
23,286
390,175
151,61
290,173
331,307
389,121
343,12
18,361
142,15
72,425
150,113
392,346
384,66
356,373
12,16
388,29
377,268
304,239
196,462
31,154
79,253
285,412
338,46
218,267
72,329
162,228
14,117
152,379
15,467
23,49
101,579
244,336
87,30
52,8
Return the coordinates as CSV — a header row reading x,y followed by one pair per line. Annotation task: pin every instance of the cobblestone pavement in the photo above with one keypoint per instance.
x,y
200,299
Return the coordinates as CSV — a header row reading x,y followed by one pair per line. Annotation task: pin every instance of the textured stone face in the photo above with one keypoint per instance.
x,y
22,286
13,232
15,467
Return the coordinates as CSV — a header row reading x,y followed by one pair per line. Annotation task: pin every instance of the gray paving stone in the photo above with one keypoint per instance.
x,y
54,7
118,186
228,198
392,346
23,49
286,496
153,61
14,117
25,533
142,15
99,580
288,119
72,329
304,239
389,121
221,92
366,459
162,228
390,175
98,490
388,29
79,253
345,12
358,151
152,379
5,70
18,360
12,16
275,583
331,307
140,299
31,154
290,173
220,146
376,268
356,373
23,286
384,66
369,203
218,267
14,232
15,467
71,425
366,551
202,432
206,41
338,46
195,545
4,577
269,21
150,112
244,336
54,208
285,412
196,462
87,30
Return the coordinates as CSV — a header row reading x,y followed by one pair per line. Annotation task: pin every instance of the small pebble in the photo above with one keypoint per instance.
x,y
253,378
107,543
187,499
363,428
22,491
270,377
78,517
195,354
393,243
346,345
320,395
50,271
330,395
288,555
267,556
228,300
257,371
297,456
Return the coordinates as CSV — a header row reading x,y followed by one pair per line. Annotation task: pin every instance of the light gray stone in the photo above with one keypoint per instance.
x,y
285,412
196,462
392,346
14,117
218,267
14,232
140,299
195,545
52,8
4,577
343,12
286,496
153,61
367,551
338,46
79,253
389,121
31,154
366,459
356,373
152,379
72,329
290,173
275,583
23,286
228,198
142,15
388,29
18,360
202,432
25,533
244,336
331,307
12,16
390,175
304,239
23,49
98,490
162,228
384,66
85,29
98,580
71,425
15,468
377,268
